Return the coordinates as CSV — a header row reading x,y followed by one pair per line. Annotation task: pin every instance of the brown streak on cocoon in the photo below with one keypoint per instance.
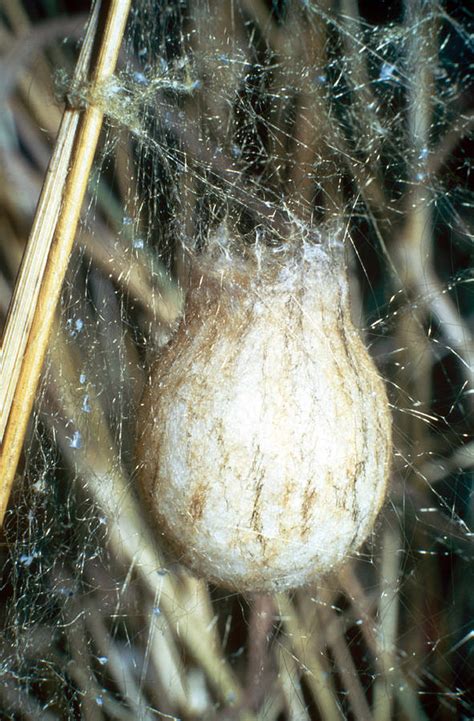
x,y
309,498
197,503
265,437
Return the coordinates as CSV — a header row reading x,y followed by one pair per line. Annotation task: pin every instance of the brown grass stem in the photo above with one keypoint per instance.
x,y
310,661
261,623
47,255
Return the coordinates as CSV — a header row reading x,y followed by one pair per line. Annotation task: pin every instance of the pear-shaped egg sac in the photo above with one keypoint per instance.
x,y
264,432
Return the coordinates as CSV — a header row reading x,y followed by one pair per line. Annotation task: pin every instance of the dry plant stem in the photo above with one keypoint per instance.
x,y
26,335
260,628
24,706
388,614
416,354
27,289
311,145
210,37
364,174
303,39
126,180
124,533
31,135
142,277
345,665
319,613
128,537
26,46
414,253
216,29
361,87
273,707
38,94
443,152
416,271
167,669
113,708
162,304
362,606
119,670
258,10
319,683
288,674
437,470
406,695
81,661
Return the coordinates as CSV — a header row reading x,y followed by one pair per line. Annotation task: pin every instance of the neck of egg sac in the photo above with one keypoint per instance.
x,y
265,437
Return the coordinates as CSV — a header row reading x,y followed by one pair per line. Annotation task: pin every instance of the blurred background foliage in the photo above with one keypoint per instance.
x,y
267,113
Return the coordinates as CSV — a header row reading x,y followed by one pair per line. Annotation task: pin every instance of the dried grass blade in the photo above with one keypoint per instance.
x,y
318,682
36,293
289,680
345,665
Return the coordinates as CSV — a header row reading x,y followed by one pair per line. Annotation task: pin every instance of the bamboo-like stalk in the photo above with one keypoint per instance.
x,y
47,255
27,289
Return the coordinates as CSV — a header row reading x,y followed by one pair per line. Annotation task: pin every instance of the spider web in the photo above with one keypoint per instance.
x,y
265,116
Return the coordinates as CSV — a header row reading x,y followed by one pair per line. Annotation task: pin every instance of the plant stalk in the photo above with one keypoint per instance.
x,y
49,247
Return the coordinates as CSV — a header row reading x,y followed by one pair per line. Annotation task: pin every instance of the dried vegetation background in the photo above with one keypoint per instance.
x,y
267,114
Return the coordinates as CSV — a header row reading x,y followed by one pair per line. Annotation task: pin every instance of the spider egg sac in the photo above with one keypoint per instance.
x,y
265,436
